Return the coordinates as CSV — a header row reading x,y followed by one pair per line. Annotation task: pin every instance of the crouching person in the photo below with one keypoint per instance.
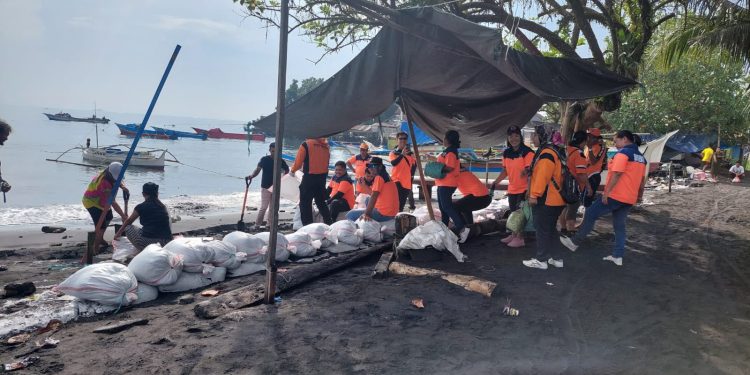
x,y
154,219
383,204
340,191
476,196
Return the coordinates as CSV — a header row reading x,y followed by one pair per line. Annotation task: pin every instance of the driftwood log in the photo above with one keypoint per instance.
x,y
381,268
254,293
470,283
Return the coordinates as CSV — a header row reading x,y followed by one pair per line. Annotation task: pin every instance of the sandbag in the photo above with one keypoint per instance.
x,y
123,249
225,254
297,220
195,253
370,230
246,269
388,229
146,293
247,243
301,244
423,215
360,202
435,234
105,283
342,248
190,281
347,232
156,266
516,221
282,253
319,231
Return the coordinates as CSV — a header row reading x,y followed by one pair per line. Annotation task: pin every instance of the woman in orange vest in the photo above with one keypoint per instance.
x,y
476,196
312,158
578,167
340,191
596,155
358,163
545,199
383,204
517,160
402,163
447,185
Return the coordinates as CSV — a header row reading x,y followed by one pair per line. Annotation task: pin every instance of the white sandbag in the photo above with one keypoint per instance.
x,y
123,249
300,244
423,215
433,233
370,230
347,232
289,187
388,229
297,220
342,248
246,269
360,202
105,283
322,232
146,293
189,281
195,253
156,266
282,253
225,254
248,244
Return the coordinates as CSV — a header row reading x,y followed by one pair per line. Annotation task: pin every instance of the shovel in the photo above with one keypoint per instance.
x,y
126,198
241,223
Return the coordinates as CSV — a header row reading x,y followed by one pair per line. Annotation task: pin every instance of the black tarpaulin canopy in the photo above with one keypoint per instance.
x,y
451,74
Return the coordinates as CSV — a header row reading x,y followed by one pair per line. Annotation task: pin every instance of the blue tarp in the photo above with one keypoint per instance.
x,y
690,143
422,138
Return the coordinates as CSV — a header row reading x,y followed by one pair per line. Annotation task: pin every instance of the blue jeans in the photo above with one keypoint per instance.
x,y
447,210
598,209
353,215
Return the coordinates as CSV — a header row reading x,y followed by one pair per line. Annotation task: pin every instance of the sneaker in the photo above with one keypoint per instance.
x,y
617,261
517,242
555,263
533,263
568,242
509,238
463,235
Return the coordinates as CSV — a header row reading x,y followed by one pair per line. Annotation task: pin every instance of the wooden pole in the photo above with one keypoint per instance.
x,y
271,270
423,184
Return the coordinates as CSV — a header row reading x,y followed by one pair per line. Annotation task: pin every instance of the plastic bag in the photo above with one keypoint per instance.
x,y
289,188
282,252
297,220
156,266
423,215
360,203
189,281
123,249
529,216
388,229
246,269
105,283
225,254
370,230
347,232
516,221
146,293
300,244
195,253
435,234
247,243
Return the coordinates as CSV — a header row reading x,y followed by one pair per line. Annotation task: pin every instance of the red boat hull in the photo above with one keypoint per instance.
x,y
217,133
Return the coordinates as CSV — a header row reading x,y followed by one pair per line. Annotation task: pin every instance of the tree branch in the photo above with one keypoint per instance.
x,y
588,33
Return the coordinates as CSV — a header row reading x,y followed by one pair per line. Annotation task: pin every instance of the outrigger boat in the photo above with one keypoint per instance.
x,y
109,154
129,130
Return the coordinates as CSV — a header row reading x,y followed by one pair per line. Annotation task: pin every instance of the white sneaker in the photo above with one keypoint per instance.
x,y
567,242
617,261
463,235
556,263
533,263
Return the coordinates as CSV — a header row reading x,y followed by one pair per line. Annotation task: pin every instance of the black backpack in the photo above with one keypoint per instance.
x,y
569,191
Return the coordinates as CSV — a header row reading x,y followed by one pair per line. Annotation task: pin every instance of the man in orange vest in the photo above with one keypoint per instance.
x,y
312,158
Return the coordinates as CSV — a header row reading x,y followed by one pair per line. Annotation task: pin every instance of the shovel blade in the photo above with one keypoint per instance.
x,y
241,226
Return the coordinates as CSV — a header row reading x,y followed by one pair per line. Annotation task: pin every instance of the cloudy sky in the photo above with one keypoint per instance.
x,y
70,54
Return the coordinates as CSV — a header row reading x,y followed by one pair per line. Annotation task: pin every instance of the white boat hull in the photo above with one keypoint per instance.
x,y
105,155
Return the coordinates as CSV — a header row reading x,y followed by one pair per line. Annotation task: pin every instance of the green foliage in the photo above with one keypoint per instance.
x,y
298,89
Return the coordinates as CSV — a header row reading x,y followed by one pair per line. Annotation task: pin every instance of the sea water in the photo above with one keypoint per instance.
x,y
209,178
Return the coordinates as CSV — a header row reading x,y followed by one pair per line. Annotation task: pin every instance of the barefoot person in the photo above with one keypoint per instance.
x,y
517,160
340,191
97,193
154,219
5,130
383,204
624,187
447,185
266,165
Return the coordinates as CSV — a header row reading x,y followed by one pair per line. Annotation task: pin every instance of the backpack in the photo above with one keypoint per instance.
x,y
569,191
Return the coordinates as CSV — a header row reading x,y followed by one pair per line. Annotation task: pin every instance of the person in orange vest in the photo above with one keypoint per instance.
x,y
545,200
312,158
402,163
476,196
340,191
596,155
358,163
517,159
447,185
623,189
578,167
383,204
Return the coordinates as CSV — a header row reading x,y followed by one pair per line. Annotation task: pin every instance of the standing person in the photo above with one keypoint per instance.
x,y
545,200
596,155
476,196
578,167
737,171
266,181
340,191
154,219
383,204
517,159
312,158
358,163
708,157
402,164
97,193
447,185
5,130
624,187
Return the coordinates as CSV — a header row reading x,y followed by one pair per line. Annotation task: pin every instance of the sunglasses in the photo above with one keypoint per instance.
x,y
402,139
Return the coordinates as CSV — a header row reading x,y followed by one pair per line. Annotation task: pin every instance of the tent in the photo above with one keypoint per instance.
x,y
422,138
449,73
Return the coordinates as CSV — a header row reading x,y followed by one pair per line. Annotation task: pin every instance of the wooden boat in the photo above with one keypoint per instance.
x,y
180,134
217,133
129,130
108,154
61,116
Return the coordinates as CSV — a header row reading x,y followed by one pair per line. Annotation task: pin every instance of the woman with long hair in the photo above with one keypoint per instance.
x,y
517,160
447,185
154,219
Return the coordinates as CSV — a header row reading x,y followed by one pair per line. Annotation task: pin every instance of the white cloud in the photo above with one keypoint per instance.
x,y
198,25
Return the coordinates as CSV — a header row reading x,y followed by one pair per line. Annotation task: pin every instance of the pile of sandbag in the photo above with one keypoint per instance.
x,y
423,215
302,245
433,233
105,283
320,232
249,244
123,250
282,251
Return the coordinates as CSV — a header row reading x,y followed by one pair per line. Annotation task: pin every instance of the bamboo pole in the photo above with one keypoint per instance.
x,y
422,182
271,270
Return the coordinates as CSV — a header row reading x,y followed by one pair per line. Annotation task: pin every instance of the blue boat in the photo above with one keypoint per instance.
x,y
129,130
180,134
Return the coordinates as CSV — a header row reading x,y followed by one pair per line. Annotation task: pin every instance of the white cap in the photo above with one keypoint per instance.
x,y
114,169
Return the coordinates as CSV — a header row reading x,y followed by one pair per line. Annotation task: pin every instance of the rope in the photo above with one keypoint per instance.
x,y
207,170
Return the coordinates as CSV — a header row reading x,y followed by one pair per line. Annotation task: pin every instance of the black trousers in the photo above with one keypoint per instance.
x,y
545,224
468,204
403,195
594,180
338,206
313,187
514,200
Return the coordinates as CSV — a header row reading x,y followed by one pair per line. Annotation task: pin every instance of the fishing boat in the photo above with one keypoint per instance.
x,y
109,154
217,133
130,130
180,134
62,116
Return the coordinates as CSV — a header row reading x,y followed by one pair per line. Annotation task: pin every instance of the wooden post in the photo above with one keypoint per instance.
x,y
423,184
671,177
90,240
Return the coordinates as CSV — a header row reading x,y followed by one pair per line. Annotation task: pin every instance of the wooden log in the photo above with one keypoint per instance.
x,y
470,283
90,251
121,326
381,268
254,293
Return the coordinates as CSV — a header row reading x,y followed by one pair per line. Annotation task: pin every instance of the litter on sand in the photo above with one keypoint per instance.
x,y
210,293
19,365
418,303
510,311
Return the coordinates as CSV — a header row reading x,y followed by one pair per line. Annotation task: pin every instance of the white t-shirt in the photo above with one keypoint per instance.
x,y
737,169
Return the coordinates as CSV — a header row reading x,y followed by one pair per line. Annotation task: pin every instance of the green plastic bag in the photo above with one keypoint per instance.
x,y
529,216
434,169
516,221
